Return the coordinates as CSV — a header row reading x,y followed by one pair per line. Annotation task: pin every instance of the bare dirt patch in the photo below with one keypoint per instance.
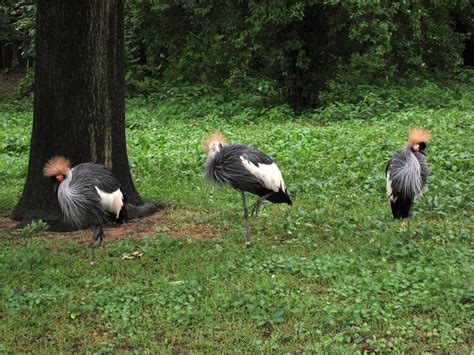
x,y
9,81
7,224
173,223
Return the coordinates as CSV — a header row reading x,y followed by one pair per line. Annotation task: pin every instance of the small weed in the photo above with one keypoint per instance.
x,y
33,229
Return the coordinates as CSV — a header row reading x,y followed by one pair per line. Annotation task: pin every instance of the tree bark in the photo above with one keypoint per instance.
x,y
79,104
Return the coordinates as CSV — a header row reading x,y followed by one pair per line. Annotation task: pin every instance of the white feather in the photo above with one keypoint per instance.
x,y
406,175
269,174
111,202
72,201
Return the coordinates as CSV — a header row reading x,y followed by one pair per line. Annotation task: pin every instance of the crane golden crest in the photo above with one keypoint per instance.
x,y
217,137
417,135
56,166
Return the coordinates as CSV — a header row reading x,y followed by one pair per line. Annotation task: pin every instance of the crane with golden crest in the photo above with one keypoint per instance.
x,y
245,169
406,173
88,194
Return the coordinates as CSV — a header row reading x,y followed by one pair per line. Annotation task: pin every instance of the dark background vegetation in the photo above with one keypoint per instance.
x,y
303,53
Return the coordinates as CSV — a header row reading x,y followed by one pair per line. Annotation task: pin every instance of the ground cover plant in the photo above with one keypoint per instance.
x,y
333,272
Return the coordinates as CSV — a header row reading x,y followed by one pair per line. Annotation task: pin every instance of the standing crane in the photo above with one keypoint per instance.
x,y
88,194
245,169
406,173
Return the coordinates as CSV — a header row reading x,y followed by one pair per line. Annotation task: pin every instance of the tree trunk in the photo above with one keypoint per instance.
x,y
79,105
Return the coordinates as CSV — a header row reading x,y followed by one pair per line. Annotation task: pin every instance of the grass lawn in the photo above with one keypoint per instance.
x,y
332,272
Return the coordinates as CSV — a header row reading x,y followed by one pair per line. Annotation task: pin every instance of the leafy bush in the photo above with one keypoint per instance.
x,y
292,52
26,85
17,23
280,53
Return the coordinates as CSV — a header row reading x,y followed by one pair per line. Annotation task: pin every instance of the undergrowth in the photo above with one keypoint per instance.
x,y
332,273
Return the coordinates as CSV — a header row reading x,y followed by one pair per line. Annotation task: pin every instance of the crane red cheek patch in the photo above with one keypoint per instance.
x,y
60,178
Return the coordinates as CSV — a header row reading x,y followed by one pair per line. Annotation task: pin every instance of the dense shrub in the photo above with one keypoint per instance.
x,y
293,52
17,23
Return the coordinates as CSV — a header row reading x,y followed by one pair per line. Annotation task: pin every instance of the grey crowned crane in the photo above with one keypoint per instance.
x,y
246,169
88,194
406,173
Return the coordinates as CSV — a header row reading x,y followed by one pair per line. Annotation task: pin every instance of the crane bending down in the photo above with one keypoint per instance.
x,y
406,173
246,169
88,194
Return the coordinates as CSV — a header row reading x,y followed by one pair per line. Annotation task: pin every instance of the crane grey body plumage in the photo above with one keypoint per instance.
x,y
408,172
245,169
81,195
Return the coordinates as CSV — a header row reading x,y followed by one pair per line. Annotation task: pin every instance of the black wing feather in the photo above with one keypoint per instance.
x,y
424,166
92,175
96,175
400,204
226,168
256,156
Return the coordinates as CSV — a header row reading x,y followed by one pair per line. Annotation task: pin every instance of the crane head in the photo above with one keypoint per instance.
x,y
57,168
417,139
214,143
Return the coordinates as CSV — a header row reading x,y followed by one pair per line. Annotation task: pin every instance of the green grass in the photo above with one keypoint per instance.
x,y
333,272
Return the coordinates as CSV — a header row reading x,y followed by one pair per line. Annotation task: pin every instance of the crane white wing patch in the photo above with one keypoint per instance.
x,y
269,174
111,202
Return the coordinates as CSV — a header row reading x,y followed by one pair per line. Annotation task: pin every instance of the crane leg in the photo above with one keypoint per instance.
x,y
246,221
258,203
98,235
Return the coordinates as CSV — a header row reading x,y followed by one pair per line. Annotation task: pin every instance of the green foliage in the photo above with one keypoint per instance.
x,y
35,228
26,85
17,21
334,272
281,52
292,51
178,304
266,304
15,132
